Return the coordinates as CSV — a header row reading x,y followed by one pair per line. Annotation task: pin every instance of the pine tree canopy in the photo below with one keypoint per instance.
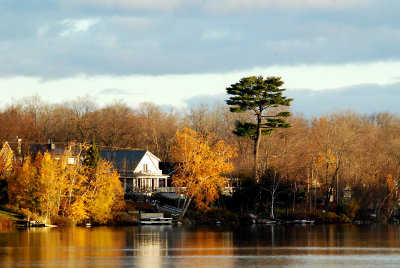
x,y
257,94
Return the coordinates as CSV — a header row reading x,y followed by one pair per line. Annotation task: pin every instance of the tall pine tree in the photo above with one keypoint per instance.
x,y
259,96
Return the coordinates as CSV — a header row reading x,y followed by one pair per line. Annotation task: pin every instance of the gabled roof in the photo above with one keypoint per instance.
x,y
124,160
5,151
6,157
5,148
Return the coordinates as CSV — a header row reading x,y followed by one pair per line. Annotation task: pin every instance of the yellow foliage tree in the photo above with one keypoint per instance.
x,y
52,186
6,159
48,176
24,188
104,192
77,210
201,164
53,177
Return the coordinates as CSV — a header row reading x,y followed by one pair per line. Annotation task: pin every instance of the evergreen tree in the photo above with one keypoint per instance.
x,y
259,96
92,157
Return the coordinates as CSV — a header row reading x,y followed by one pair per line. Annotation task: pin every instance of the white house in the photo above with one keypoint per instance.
x,y
138,169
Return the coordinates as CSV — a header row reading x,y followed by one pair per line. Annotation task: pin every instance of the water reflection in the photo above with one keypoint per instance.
x,y
206,246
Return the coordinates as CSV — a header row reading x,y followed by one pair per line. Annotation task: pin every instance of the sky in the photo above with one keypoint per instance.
x,y
332,54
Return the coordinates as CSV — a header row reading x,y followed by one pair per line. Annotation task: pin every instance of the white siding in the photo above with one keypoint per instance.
x,y
152,165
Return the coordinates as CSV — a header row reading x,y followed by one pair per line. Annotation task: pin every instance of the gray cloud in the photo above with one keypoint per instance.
x,y
363,99
139,37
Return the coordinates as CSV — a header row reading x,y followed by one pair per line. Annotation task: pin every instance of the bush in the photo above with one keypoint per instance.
x,y
146,207
296,215
339,208
6,221
222,215
32,216
332,217
61,221
352,209
121,218
213,215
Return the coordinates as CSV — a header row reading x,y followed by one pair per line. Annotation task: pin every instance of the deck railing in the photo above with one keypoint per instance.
x,y
168,189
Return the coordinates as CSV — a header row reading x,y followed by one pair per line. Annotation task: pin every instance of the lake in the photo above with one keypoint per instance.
x,y
203,246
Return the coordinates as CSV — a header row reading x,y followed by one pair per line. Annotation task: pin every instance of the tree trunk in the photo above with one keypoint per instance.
x,y
272,207
381,205
330,189
187,204
257,141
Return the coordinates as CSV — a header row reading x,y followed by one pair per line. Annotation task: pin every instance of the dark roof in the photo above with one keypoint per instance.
x,y
123,160
43,148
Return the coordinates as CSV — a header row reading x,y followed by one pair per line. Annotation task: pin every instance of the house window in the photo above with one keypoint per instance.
x,y
145,167
71,161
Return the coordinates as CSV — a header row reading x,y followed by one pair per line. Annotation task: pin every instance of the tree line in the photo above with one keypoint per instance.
x,y
336,162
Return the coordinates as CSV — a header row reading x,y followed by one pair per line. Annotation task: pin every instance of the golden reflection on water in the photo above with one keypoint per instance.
x,y
172,246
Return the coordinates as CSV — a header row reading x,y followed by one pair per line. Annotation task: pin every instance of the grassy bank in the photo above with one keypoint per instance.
x,y
8,218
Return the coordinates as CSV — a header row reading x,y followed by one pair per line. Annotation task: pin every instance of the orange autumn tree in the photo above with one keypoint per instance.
x,y
200,168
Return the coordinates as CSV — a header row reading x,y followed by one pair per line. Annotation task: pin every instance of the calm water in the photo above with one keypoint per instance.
x,y
206,246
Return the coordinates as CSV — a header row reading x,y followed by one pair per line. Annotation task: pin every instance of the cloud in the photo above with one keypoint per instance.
x,y
215,6
76,26
205,99
149,5
124,26
65,39
115,91
216,34
235,6
364,99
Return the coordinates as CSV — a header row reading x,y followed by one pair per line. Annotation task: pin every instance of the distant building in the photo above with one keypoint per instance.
x,y
138,169
55,151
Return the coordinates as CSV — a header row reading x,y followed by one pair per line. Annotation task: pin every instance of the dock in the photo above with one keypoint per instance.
x,y
28,224
154,218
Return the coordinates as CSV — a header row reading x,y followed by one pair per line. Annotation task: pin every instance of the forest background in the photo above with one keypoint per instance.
x,y
343,163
